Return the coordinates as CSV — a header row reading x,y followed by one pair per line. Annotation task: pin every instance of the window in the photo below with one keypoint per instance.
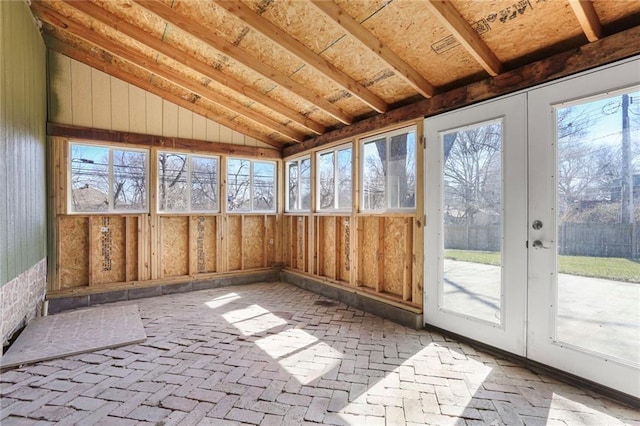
x,y
251,186
334,179
106,180
389,171
187,183
299,184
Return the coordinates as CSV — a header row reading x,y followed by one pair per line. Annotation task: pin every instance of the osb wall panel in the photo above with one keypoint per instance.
x,y
368,251
132,248
326,241
287,237
108,249
271,226
296,240
174,246
203,244
344,243
253,242
233,236
394,255
73,255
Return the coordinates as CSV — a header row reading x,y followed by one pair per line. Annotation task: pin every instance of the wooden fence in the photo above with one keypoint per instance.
x,y
574,239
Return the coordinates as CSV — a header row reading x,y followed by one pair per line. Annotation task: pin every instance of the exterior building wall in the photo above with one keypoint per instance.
x,y
21,299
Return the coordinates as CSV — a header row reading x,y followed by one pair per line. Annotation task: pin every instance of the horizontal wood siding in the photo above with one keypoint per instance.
x,y
83,96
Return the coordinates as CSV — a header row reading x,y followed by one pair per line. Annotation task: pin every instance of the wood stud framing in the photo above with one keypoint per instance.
x,y
382,251
101,252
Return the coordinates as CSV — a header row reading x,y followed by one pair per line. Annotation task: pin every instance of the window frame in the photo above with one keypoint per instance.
x,y
189,210
297,209
251,210
387,136
110,179
335,150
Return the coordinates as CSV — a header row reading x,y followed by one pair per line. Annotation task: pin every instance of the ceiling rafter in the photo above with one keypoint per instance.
x,y
68,25
94,59
451,19
163,71
201,32
388,56
309,57
588,18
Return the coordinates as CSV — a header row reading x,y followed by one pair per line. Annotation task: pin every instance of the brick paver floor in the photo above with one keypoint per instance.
x,y
271,354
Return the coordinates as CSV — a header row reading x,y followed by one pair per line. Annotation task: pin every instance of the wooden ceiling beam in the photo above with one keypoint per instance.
x,y
588,18
199,66
451,19
624,44
160,70
200,31
95,60
388,56
306,55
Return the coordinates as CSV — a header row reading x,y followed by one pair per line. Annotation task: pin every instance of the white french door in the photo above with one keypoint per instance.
x,y
532,240
475,254
584,167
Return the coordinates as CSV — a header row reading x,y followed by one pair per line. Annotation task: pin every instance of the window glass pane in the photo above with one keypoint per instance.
x,y
344,179
129,180
264,186
172,182
204,183
292,169
326,187
305,184
89,178
238,185
373,175
401,171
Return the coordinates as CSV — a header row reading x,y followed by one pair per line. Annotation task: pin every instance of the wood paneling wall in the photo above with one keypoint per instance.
x,y
22,141
83,96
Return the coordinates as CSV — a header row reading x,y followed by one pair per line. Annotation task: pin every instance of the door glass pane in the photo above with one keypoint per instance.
x,y
472,215
598,185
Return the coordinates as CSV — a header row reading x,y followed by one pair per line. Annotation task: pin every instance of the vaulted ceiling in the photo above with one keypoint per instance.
x,y
287,71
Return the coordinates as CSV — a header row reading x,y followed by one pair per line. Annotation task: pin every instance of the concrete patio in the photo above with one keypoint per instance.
x,y
275,354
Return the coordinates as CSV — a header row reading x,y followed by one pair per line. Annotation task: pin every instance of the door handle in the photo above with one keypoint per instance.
x,y
537,244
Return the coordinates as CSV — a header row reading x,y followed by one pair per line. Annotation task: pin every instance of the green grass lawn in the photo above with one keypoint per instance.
x,y
598,267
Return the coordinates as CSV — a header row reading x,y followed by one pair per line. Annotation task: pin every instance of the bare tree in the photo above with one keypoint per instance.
x,y
472,173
